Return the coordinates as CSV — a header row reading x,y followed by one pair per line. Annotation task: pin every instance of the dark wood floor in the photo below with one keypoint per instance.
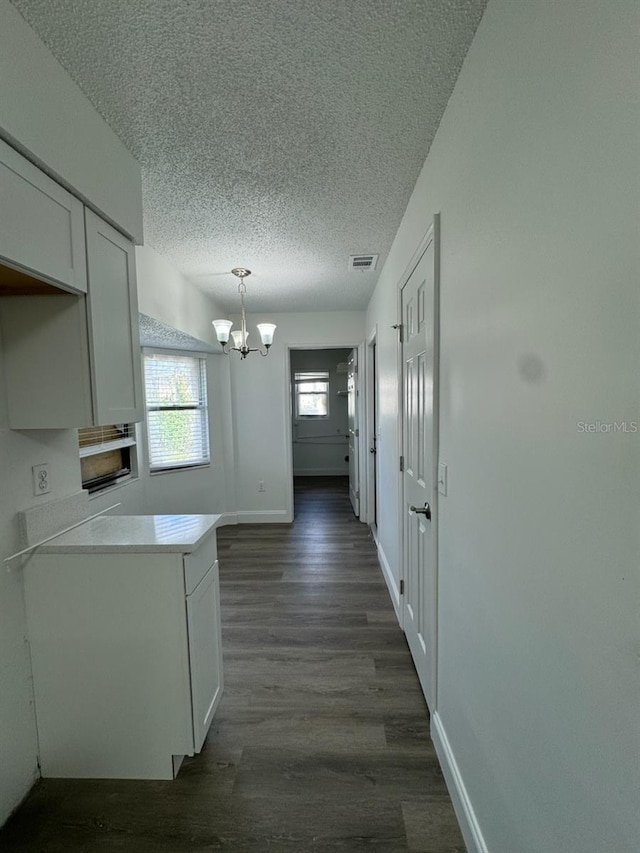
x,y
321,742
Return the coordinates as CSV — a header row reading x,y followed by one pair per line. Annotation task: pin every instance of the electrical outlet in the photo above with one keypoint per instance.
x,y
41,479
261,487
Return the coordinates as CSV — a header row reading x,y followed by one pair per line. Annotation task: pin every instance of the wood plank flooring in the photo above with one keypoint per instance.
x,y
321,742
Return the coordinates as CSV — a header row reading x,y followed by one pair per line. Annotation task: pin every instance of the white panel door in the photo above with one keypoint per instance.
x,y
352,403
418,335
205,653
114,325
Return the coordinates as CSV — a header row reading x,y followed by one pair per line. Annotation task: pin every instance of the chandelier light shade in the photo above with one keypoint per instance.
x,y
240,336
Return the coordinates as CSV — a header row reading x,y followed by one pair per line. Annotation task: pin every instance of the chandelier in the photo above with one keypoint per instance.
x,y
240,336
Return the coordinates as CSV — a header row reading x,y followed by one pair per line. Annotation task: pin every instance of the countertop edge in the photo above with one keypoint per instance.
x,y
62,546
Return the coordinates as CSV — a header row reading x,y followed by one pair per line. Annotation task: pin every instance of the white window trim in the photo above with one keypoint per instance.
x,y
298,394
175,469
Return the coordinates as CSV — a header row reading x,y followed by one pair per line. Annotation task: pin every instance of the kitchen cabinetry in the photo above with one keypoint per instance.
x,y
124,628
114,337
41,224
74,361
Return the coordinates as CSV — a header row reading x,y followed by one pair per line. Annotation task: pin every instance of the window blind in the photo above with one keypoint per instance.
x,y
93,440
177,415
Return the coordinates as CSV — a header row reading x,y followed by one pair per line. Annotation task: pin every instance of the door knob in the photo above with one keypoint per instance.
x,y
422,510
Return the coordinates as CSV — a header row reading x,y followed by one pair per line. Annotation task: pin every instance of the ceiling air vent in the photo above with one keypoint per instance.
x,y
362,262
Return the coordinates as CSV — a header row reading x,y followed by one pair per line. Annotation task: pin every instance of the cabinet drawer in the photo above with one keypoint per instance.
x,y
197,564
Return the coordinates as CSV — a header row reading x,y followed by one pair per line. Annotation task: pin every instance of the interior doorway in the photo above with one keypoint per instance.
x,y
319,413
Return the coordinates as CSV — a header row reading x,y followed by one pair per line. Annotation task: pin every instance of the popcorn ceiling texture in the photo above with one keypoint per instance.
x,y
281,135
156,334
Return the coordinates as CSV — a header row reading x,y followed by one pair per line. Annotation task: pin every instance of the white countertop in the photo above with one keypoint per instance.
x,y
133,534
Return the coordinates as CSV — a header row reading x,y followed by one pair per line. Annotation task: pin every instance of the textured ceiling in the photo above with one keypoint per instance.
x,y
281,135
158,335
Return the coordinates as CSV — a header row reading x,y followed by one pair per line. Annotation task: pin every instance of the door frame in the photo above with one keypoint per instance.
x,y
288,419
371,400
432,234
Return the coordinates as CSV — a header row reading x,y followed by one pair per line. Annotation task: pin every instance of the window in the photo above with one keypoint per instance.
x,y
107,455
312,394
177,416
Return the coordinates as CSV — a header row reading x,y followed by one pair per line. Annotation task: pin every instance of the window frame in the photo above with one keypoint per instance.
x,y
311,375
202,406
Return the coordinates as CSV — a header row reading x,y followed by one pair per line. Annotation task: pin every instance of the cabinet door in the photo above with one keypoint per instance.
x,y
113,325
205,653
41,224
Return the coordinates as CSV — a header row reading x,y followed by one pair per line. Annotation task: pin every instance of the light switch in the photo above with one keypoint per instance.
x,y
442,478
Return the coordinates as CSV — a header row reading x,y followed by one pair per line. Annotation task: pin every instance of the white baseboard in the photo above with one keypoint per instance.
x,y
394,591
227,518
258,516
321,472
467,819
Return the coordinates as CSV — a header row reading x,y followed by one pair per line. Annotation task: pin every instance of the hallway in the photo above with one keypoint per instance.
x,y
321,741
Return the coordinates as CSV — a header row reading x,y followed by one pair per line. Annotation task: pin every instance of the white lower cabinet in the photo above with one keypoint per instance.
x,y
127,661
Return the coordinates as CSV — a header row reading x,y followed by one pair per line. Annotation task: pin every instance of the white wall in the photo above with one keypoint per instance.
x,y
535,172
320,446
164,294
46,115
52,122
18,452
261,407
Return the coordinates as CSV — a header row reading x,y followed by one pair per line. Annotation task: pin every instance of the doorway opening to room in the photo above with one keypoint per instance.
x,y
324,410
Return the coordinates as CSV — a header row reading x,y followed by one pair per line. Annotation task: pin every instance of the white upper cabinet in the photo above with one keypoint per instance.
x,y
112,308
41,224
71,359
